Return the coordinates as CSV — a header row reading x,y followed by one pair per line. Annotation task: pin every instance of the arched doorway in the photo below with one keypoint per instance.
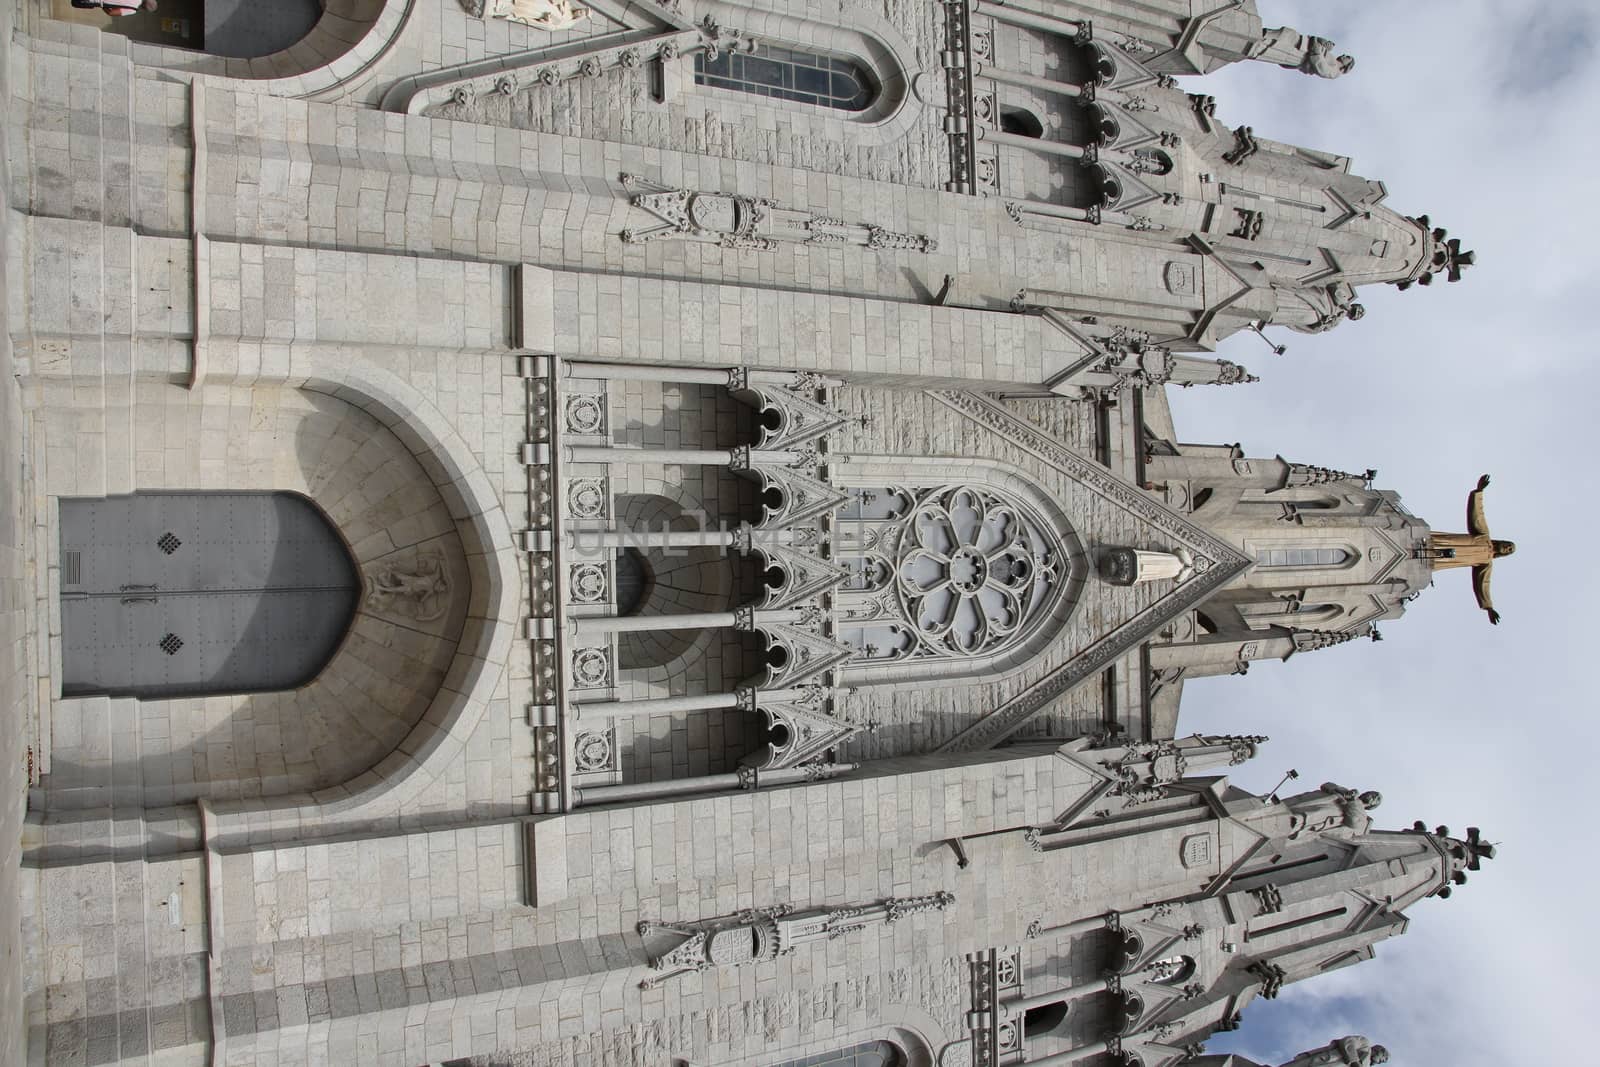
x,y
170,594
237,29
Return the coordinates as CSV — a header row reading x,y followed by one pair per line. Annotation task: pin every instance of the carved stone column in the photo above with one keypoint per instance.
x,y
1027,19
744,778
1028,81
1032,144
687,457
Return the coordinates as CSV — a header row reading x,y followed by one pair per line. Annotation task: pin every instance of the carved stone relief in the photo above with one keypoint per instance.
x,y
1180,278
767,933
594,751
735,221
540,14
586,413
420,591
586,498
588,583
591,668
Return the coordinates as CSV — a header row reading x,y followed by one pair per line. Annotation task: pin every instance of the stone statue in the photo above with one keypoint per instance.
x,y
1331,809
1354,1051
1475,549
1316,309
540,14
1297,51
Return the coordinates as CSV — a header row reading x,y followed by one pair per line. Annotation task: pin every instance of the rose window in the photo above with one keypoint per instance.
x,y
955,571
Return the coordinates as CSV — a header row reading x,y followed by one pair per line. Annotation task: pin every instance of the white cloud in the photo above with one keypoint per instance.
x,y
1479,114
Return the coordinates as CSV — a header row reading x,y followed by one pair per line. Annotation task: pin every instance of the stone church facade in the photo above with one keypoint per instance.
x,y
648,533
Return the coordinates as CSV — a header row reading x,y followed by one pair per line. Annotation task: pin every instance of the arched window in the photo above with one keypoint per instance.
x,y
1303,557
197,594
1043,1020
1021,122
790,74
870,1054
633,580
958,570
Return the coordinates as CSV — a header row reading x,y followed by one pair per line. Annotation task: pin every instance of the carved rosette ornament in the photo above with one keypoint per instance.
x,y
969,570
586,498
586,413
588,583
591,668
593,751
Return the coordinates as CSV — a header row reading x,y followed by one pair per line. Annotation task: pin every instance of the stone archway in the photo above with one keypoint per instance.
x,y
410,559
343,45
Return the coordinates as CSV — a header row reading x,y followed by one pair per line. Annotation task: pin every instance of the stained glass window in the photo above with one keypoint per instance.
x,y
787,74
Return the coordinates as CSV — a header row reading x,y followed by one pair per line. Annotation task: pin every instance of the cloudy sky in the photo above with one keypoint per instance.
x,y
1482,114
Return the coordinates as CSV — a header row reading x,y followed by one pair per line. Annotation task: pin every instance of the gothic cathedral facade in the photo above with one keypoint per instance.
x,y
651,533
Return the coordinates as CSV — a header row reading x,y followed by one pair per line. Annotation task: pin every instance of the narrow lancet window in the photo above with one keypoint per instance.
x,y
790,74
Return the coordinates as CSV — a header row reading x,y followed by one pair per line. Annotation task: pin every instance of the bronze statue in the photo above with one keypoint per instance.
x,y
1475,549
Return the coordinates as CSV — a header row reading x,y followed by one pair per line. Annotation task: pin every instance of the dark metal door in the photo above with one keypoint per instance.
x,y
180,594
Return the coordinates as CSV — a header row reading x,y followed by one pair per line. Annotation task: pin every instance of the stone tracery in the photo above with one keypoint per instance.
x,y
956,570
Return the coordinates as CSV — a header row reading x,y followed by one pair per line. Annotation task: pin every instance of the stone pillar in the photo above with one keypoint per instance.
x,y
1077,1055
688,457
660,705
1051,211
1225,651
1026,19
649,539
1013,1008
744,778
1032,144
1082,926
1028,81
592,626
633,372
751,698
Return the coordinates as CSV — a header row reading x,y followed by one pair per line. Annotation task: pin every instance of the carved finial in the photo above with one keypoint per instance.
x,y
1446,257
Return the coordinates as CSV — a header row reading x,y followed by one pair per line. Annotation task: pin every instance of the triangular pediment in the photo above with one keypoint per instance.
x,y
1106,511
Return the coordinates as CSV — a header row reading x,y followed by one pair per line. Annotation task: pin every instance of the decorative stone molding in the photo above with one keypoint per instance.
x,y
993,976
1216,564
587,498
735,221
765,934
586,413
591,668
594,751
